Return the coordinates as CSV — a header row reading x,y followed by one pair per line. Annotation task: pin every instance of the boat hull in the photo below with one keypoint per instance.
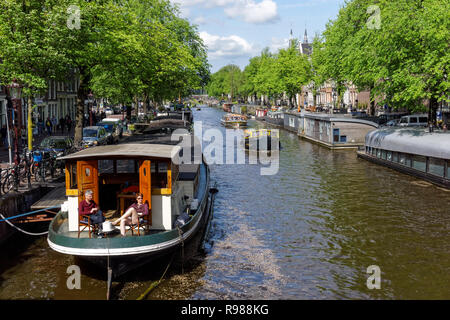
x,y
123,254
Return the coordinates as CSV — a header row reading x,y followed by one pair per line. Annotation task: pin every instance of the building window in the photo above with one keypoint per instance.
x,y
436,167
335,135
343,139
419,163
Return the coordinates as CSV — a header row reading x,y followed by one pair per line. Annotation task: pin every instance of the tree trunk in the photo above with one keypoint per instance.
x,y
79,118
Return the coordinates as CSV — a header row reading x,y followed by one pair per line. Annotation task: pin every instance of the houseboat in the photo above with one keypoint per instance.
x,y
414,151
227,107
261,139
178,197
234,120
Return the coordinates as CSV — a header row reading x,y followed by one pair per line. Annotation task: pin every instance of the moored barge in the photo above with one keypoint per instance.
x,y
414,151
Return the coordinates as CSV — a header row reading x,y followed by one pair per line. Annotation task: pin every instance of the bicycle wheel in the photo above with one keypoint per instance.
x,y
37,175
8,183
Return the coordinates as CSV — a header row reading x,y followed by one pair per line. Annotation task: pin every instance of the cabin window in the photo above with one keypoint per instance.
x,y
419,163
343,139
126,166
73,176
436,167
395,157
378,153
106,166
383,154
374,150
407,160
159,174
336,135
402,159
448,170
389,155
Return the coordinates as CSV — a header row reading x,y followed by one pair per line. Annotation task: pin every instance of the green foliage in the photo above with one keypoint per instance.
x,y
404,60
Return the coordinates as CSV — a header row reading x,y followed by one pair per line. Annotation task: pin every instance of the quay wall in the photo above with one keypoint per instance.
x,y
15,203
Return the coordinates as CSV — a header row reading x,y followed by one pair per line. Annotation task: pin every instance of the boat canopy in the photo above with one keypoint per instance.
x,y
411,140
131,150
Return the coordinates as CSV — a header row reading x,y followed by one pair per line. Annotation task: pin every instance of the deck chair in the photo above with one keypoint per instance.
x,y
143,222
84,221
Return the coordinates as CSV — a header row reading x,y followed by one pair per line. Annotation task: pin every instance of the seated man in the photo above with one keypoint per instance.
x,y
89,207
133,213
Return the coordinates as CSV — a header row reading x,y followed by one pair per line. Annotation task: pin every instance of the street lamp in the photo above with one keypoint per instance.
x,y
15,92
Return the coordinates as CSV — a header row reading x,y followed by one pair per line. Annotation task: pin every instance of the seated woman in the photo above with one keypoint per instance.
x,y
133,213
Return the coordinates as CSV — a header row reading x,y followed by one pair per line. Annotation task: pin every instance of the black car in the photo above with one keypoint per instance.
x,y
58,144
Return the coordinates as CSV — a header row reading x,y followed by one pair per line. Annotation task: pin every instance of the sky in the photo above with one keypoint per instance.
x,y
236,30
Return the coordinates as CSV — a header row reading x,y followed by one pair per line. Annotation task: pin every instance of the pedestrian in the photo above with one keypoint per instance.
x,y
54,123
48,125
23,136
4,134
444,127
62,124
69,124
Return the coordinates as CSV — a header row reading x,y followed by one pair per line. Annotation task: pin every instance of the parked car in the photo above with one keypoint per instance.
x,y
109,111
393,122
59,144
95,135
415,120
118,125
113,136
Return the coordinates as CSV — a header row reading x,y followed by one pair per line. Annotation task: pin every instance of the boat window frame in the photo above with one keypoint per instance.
x,y
71,178
430,160
415,159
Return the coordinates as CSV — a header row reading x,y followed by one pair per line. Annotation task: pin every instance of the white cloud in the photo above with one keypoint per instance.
x,y
252,11
277,44
227,47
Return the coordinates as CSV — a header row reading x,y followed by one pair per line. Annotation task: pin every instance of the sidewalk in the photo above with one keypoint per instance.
x,y
37,139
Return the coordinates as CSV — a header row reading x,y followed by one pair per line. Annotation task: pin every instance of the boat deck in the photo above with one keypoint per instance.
x,y
54,198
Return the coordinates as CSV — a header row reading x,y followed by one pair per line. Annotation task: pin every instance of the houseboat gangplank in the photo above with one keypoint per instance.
x,y
178,197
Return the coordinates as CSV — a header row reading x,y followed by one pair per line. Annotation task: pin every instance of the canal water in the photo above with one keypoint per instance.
x,y
311,231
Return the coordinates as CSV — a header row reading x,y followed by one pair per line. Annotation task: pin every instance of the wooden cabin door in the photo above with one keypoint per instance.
x,y
145,183
88,179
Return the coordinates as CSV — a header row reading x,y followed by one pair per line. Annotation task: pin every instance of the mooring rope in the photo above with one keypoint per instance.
x,y
156,283
180,233
21,230
28,213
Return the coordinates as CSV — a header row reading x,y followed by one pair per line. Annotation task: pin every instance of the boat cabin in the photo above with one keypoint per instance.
x,y
116,172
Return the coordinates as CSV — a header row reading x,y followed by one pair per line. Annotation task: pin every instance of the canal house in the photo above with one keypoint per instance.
x,y
335,132
413,151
